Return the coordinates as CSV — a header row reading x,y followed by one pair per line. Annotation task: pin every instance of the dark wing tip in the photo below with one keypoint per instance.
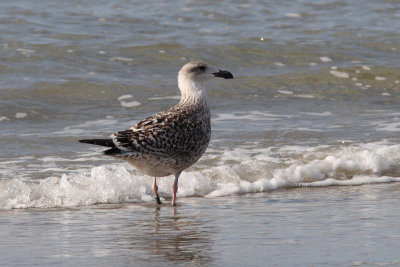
x,y
112,152
99,142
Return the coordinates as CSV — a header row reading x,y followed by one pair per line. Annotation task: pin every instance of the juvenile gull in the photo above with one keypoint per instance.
x,y
172,140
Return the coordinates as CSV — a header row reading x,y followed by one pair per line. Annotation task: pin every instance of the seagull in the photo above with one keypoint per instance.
x,y
172,140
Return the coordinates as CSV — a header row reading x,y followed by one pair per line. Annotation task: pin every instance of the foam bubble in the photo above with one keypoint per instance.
x,y
122,59
177,97
379,78
389,126
325,59
123,97
4,118
26,52
280,64
130,104
305,96
356,180
285,92
249,116
339,74
320,114
20,115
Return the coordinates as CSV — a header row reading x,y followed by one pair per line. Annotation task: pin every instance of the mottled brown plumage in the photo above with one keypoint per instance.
x,y
174,139
167,142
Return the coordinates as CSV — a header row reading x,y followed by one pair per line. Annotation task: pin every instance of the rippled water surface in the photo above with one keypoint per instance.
x,y
303,166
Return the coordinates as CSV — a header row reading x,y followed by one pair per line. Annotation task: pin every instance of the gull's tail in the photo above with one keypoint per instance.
x,y
99,142
113,151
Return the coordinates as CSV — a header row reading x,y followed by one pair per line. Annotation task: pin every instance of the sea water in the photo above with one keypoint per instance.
x,y
303,165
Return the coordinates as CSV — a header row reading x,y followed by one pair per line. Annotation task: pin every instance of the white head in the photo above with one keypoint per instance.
x,y
193,75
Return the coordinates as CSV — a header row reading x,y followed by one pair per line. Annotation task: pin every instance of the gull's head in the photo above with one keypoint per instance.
x,y
201,72
191,80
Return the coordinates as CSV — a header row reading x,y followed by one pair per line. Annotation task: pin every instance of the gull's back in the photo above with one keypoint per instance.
x,y
167,142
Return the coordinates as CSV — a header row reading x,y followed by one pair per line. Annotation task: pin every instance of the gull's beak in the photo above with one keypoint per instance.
x,y
223,74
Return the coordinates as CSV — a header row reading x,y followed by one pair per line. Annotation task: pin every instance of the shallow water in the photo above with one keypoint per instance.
x,y
346,226
304,144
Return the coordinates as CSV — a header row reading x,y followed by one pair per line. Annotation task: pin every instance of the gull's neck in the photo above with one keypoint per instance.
x,y
193,92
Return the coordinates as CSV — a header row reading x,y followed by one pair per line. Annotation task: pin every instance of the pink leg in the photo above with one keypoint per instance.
x,y
155,190
175,189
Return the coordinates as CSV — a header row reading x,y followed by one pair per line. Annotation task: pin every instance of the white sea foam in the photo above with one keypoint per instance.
x,y
249,116
26,52
356,180
122,59
237,171
129,104
305,96
285,92
123,97
390,126
325,59
339,74
4,118
321,114
20,115
177,97
280,64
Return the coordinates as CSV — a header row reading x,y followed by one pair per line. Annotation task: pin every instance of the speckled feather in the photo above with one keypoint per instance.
x,y
167,142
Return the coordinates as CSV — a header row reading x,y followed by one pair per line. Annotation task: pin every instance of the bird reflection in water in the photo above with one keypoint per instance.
x,y
173,238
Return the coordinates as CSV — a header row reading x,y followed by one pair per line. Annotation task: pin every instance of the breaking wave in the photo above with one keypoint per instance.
x,y
237,171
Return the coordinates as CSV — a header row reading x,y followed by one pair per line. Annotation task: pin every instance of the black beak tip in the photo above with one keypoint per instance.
x,y
223,74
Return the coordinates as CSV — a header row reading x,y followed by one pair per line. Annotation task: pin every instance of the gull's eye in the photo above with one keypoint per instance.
x,y
202,68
